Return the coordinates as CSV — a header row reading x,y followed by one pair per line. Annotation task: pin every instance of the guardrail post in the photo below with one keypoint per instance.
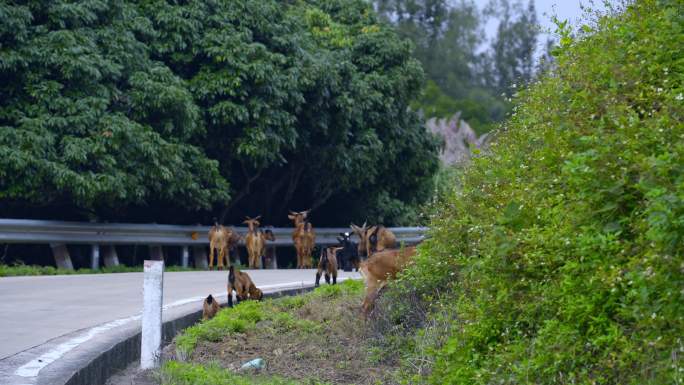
x,y
111,259
61,254
156,253
185,255
153,296
199,253
95,257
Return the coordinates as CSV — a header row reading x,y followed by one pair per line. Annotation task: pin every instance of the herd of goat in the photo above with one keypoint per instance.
x,y
376,255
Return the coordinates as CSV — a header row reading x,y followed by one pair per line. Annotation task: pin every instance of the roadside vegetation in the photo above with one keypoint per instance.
x,y
558,256
20,269
314,338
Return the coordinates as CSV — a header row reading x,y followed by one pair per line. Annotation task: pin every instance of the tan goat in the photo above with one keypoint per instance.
x,y
254,240
380,267
303,237
374,238
218,245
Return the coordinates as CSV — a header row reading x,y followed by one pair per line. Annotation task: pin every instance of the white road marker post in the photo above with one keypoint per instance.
x,y
153,289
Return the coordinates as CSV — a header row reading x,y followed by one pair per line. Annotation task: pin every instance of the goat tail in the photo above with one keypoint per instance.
x,y
231,274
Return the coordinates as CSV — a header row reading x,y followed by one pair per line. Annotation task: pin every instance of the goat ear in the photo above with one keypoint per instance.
x,y
257,217
355,227
292,217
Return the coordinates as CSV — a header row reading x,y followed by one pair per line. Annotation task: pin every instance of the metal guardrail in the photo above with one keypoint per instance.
x,y
43,231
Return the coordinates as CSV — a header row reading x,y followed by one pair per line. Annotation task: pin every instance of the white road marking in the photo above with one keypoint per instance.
x,y
33,367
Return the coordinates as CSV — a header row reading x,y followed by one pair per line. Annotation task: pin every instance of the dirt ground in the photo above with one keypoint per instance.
x,y
323,340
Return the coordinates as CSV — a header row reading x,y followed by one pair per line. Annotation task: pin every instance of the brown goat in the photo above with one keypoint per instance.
x,y
374,238
380,267
218,245
270,250
328,264
243,286
254,240
303,238
210,307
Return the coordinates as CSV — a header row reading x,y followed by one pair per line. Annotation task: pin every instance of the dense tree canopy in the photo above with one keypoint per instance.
x,y
167,111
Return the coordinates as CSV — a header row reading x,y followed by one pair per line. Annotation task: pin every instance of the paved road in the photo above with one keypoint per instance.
x,y
34,310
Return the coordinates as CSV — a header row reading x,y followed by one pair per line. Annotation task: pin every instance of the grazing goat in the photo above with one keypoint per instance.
x,y
254,240
210,307
347,255
218,245
270,250
328,264
374,238
303,238
380,267
243,286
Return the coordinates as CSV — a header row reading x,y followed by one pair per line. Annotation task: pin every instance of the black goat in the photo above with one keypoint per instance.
x,y
348,255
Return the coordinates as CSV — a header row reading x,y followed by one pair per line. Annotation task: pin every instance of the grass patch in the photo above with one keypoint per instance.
x,y
314,338
24,270
181,373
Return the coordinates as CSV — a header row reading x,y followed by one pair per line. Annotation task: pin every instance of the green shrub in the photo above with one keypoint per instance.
x,y
561,251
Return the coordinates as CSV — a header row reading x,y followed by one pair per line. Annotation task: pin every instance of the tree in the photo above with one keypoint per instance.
x,y
511,58
88,121
298,105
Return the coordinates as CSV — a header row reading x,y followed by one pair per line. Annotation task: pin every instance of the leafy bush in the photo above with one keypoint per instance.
x,y
560,253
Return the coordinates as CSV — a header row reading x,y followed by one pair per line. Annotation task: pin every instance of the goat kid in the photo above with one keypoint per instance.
x,y
347,255
210,307
270,250
328,264
243,286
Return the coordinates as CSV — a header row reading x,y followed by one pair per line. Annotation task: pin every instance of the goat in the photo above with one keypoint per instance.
x,y
374,238
310,244
243,286
328,264
233,246
270,250
218,245
380,267
347,255
303,238
210,307
254,240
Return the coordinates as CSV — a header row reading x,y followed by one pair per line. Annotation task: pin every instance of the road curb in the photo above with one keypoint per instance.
x,y
111,353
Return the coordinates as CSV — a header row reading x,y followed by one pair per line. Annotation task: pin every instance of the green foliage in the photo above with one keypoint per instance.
x,y
245,316
145,111
236,320
560,252
88,120
179,373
